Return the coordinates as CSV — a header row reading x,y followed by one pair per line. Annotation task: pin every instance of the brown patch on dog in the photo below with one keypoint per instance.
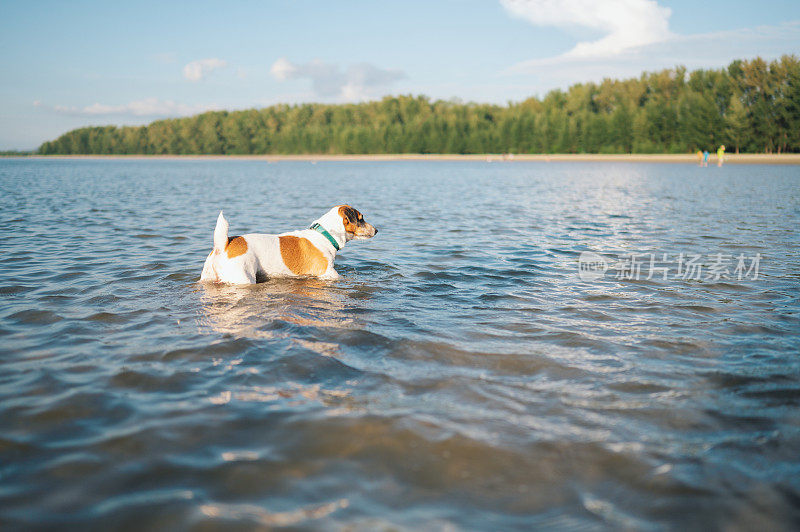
x,y
301,256
236,246
350,218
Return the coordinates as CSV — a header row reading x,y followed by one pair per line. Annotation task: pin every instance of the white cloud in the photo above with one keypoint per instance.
x,y
717,49
707,50
149,107
197,70
357,82
282,69
626,24
635,37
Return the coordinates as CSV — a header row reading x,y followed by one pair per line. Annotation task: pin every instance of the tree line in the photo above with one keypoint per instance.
x,y
750,106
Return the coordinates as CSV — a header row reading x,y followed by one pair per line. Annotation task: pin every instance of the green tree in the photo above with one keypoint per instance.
x,y
752,105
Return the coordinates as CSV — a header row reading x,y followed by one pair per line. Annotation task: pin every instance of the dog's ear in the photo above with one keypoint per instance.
x,y
349,218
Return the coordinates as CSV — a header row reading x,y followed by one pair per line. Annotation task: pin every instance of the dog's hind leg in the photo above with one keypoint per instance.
x,y
237,271
209,273
238,277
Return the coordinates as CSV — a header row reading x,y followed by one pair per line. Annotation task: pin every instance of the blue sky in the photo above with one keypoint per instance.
x,y
71,64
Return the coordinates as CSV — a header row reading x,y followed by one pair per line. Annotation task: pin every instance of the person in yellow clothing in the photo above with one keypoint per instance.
x,y
720,155
699,158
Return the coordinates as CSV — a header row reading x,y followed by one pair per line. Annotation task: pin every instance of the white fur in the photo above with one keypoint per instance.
x,y
221,233
263,255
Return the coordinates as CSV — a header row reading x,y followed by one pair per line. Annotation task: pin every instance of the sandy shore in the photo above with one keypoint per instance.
x,y
791,158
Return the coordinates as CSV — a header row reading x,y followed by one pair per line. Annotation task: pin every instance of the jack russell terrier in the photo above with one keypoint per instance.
x,y
245,259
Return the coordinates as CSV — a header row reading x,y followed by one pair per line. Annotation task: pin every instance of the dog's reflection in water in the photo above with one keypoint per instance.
x,y
276,309
263,310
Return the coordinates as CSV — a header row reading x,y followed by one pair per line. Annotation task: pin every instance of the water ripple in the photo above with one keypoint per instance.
x,y
459,375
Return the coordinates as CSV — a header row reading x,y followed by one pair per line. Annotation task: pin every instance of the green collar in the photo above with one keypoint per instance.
x,y
323,232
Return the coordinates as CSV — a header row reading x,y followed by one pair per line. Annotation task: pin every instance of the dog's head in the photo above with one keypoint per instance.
x,y
353,222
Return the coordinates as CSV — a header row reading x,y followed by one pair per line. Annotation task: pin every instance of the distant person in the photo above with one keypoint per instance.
x,y
720,155
699,158
705,157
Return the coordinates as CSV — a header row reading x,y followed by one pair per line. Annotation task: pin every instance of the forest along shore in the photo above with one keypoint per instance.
x,y
751,106
743,158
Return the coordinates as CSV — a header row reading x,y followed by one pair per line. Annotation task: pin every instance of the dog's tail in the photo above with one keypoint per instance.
x,y
220,234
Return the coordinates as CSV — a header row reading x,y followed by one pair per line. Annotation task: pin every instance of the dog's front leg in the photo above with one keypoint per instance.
x,y
330,275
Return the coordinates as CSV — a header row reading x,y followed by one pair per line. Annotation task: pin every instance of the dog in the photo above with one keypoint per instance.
x,y
250,258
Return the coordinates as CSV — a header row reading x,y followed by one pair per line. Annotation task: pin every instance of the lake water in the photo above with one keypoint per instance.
x,y
460,375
